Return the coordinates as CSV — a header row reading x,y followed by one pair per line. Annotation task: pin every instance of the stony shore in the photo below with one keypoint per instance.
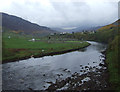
x,y
95,79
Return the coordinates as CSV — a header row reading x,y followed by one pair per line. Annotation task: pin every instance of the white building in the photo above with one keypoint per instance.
x,y
9,37
32,39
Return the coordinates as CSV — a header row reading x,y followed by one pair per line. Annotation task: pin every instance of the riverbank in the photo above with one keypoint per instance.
x,y
89,81
95,79
20,49
112,61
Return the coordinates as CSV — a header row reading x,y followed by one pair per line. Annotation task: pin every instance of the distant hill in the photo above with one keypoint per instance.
x,y
80,29
18,25
116,22
77,29
111,26
107,33
60,30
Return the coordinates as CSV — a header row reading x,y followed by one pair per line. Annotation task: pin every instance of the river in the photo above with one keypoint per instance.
x,y
35,73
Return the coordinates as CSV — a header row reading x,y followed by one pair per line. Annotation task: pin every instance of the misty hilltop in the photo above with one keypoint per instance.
x,y
18,25
77,29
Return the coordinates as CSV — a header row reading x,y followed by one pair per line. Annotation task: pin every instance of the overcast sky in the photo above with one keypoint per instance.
x,y
63,13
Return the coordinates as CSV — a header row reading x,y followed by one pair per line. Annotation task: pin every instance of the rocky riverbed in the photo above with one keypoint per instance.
x,y
93,78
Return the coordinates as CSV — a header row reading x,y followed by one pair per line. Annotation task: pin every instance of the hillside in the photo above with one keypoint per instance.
x,y
77,29
18,25
104,34
107,33
81,29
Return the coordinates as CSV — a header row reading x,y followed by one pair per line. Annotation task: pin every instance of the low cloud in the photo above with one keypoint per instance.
x,y
63,14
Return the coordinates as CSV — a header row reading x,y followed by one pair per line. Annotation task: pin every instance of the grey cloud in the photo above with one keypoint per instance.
x,y
65,14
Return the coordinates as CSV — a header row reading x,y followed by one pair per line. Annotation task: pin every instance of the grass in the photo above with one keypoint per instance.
x,y
20,47
112,59
75,41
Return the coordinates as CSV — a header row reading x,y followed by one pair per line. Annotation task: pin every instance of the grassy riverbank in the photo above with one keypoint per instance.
x,y
112,60
21,48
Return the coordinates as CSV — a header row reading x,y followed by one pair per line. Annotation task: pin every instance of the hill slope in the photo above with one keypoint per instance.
x,y
18,25
77,29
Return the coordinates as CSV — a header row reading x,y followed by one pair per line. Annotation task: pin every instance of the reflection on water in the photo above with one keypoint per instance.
x,y
35,73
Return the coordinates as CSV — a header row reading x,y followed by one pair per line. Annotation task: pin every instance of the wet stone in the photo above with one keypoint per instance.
x,y
86,67
80,65
64,69
81,70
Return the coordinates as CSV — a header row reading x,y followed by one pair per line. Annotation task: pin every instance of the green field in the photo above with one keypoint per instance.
x,y
20,47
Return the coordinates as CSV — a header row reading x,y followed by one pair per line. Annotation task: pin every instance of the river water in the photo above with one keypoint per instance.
x,y
37,73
